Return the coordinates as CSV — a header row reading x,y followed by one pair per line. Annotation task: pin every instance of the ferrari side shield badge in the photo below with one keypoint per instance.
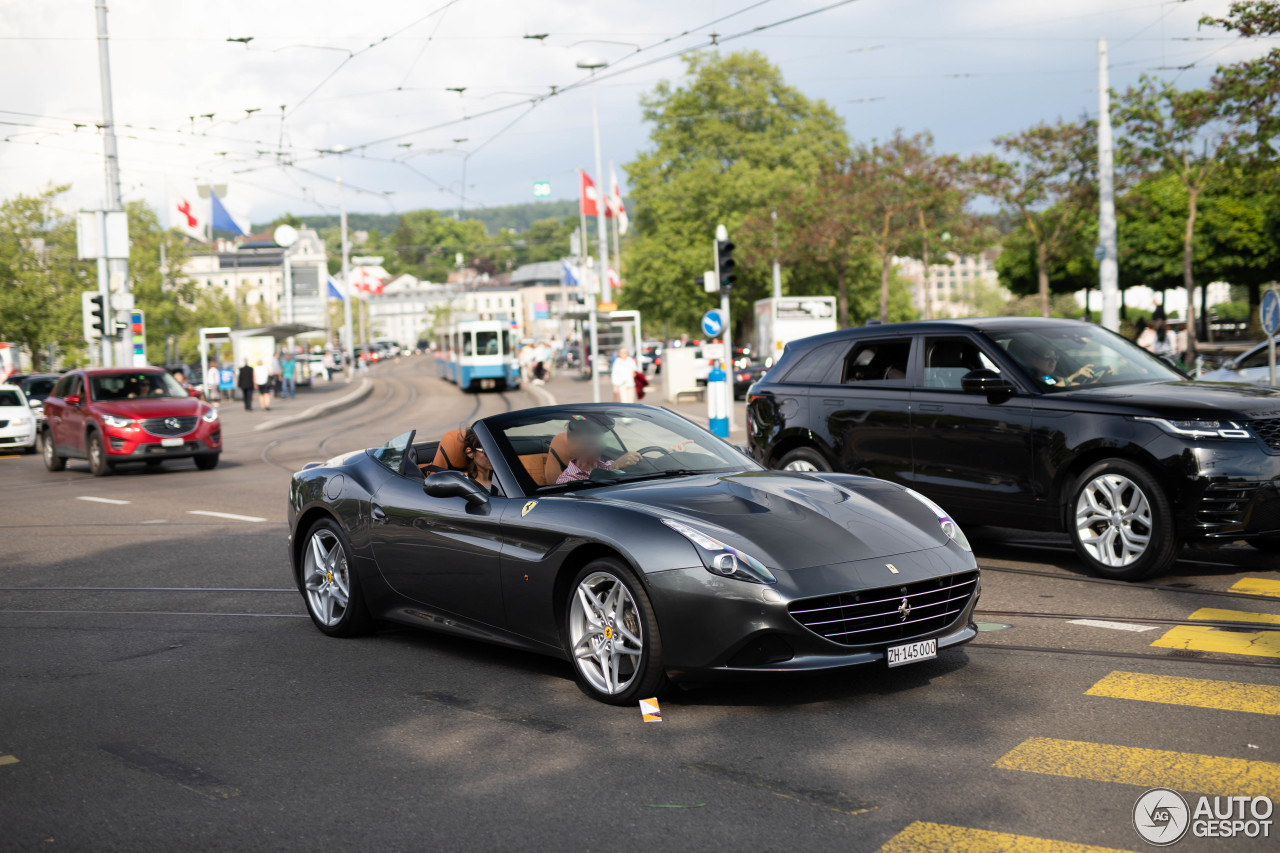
x,y
527,507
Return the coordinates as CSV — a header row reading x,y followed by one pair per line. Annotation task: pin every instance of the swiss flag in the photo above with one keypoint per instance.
x,y
590,197
187,213
365,279
613,205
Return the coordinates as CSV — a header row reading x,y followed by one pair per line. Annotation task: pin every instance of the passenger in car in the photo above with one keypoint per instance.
x,y
585,434
478,465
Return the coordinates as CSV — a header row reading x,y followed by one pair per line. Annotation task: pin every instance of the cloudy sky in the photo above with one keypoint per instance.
x,y
375,77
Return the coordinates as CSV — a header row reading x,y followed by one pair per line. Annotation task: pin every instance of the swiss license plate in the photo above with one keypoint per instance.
x,y
911,652
487,384
171,442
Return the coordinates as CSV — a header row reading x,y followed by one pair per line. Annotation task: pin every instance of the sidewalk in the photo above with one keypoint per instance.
x,y
313,401
568,388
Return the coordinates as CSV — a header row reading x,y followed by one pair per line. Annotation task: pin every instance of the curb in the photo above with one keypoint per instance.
x,y
539,393
320,409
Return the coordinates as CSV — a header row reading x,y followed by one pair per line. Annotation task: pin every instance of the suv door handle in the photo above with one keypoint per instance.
x,y
378,513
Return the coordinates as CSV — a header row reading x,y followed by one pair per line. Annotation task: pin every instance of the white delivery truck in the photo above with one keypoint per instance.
x,y
784,319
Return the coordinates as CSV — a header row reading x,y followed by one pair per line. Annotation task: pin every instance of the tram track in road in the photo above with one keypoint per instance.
x,y
1154,587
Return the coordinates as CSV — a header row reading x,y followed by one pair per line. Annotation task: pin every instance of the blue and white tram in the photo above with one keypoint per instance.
x,y
478,355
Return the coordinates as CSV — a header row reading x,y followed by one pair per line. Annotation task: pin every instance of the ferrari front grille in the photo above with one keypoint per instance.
x,y
874,617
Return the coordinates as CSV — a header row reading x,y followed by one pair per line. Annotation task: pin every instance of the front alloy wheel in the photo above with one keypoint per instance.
x,y
613,637
1123,525
332,597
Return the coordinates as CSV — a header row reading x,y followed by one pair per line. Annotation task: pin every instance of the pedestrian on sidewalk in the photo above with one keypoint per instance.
x,y
289,390
211,384
623,377
245,383
262,378
227,381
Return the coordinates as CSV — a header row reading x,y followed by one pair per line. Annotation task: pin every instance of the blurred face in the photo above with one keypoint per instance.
x,y
1045,361
585,445
622,353
481,459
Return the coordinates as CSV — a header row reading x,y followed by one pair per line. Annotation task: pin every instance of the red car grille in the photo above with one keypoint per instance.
x,y
169,427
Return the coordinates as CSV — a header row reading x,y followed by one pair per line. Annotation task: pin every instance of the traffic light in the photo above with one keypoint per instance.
x,y
91,309
725,264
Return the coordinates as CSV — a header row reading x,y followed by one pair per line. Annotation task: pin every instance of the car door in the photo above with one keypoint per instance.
x,y
441,552
863,407
69,434
971,452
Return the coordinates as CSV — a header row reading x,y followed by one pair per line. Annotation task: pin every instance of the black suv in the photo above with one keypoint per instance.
x,y
1032,423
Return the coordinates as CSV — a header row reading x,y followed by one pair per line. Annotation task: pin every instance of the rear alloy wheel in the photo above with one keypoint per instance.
x,y
98,464
612,635
804,459
333,597
52,460
1122,526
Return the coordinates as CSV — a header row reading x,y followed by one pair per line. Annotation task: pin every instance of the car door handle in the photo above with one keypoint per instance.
x,y
931,407
378,513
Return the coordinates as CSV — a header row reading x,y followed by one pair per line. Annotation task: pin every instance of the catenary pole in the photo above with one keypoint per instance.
x,y
1108,270
118,268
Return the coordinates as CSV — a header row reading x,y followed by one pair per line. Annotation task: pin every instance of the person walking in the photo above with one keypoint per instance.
x,y
246,385
289,388
211,377
623,377
277,373
227,381
262,378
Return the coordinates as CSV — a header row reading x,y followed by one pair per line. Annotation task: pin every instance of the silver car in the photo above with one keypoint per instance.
x,y
1251,368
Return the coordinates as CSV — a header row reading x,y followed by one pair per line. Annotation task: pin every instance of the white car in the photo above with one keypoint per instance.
x,y
17,421
1251,367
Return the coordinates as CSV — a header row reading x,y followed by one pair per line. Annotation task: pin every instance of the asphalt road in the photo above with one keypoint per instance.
x,y
162,689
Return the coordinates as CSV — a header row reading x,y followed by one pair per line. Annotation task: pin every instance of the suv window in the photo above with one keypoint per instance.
x,y
1257,359
877,362
947,360
814,366
74,385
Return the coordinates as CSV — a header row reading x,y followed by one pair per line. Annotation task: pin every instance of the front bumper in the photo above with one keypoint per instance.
x,y
134,445
18,436
713,627
1228,491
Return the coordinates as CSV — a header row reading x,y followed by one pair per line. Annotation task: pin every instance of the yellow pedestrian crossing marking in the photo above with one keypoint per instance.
x,y
1192,692
1260,644
1149,768
1257,586
8,759
925,837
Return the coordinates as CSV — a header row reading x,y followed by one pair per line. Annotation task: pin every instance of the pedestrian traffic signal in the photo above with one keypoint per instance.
x,y
724,264
91,309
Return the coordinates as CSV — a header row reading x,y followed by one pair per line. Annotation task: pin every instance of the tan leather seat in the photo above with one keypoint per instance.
x,y
450,453
557,458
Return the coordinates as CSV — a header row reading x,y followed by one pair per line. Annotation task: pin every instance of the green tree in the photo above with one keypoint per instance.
x,y
1044,178
1186,134
427,243
1250,90
726,141
40,276
1068,266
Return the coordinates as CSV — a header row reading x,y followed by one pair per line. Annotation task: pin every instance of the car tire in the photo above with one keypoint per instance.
x,y
330,587
1121,522
611,635
30,448
97,453
804,460
1266,544
207,461
52,460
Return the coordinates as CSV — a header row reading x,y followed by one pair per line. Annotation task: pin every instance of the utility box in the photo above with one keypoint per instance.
x,y
679,372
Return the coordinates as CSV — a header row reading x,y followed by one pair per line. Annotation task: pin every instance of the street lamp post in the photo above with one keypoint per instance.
x,y
346,271
606,292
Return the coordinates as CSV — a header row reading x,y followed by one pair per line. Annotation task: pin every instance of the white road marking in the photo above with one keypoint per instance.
x,y
1114,626
227,515
155,521
102,500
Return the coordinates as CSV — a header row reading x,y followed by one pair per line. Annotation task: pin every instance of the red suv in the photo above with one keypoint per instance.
x,y
110,415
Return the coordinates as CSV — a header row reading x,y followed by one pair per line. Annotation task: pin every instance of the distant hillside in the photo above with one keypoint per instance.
x,y
514,216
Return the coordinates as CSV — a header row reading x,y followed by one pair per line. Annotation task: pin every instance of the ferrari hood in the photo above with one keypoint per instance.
x,y
790,520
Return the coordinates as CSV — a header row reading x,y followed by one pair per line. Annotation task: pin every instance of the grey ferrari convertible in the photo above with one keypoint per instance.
x,y
634,544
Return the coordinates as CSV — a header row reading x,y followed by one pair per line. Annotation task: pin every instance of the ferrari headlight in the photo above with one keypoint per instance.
x,y
721,559
210,416
949,527
1199,429
116,421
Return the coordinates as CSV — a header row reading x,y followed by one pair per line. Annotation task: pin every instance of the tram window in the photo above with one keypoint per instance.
x,y
468,343
487,343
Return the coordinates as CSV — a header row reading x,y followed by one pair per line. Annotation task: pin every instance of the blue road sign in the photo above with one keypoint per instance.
x,y
1270,312
713,323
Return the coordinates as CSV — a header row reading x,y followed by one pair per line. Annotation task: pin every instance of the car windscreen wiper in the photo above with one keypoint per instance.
x,y
662,475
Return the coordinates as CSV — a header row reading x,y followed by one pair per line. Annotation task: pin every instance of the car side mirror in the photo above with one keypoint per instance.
x,y
455,484
984,381
35,404
73,400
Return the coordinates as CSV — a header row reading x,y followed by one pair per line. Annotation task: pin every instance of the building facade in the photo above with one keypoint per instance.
x,y
956,288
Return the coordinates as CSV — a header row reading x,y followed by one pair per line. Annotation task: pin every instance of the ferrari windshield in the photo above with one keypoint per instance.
x,y
567,447
1061,358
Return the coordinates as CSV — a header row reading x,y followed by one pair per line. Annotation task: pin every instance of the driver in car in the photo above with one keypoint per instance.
x,y
1043,362
586,442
